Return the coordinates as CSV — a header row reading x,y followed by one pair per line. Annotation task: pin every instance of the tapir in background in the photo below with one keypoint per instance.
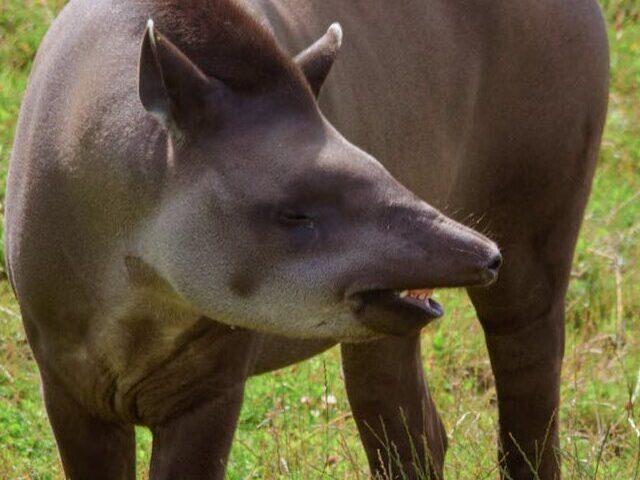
x,y
182,213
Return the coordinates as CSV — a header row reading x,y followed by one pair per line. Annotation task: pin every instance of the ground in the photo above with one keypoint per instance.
x,y
296,423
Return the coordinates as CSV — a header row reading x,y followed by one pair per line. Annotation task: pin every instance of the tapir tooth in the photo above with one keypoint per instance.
x,y
403,293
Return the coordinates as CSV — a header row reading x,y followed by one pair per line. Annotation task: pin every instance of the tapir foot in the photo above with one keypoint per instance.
x,y
90,448
401,431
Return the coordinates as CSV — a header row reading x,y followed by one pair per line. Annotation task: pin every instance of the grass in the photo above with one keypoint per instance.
x,y
296,423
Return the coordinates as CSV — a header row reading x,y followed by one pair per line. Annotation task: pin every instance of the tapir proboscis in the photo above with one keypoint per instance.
x,y
194,198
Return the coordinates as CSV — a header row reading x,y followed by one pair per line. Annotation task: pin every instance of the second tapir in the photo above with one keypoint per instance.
x,y
180,215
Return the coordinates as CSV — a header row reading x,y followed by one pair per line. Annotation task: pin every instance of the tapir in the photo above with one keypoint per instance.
x,y
205,190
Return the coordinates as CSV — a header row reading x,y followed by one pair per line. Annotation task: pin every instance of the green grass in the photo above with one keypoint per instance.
x,y
288,429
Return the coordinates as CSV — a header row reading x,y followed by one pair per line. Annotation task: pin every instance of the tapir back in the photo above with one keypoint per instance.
x,y
444,91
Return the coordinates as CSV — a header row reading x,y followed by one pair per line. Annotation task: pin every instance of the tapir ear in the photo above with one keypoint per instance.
x,y
171,87
317,60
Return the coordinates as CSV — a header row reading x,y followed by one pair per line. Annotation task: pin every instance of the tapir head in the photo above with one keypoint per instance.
x,y
271,220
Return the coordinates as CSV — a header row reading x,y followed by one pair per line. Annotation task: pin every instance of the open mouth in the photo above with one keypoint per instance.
x,y
414,303
422,299
396,312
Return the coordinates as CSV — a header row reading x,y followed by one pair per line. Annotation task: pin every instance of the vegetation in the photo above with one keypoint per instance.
x,y
296,423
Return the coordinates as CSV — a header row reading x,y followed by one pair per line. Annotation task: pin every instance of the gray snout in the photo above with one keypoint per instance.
x,y
429,250
463,255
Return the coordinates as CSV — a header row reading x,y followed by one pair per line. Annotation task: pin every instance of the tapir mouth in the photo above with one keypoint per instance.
x,y
396,312
421,298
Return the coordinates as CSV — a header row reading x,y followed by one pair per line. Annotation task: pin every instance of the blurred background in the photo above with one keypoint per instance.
x,y
296,423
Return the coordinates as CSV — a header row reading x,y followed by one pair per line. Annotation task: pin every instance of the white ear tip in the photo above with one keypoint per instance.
x,y
150,24
336,31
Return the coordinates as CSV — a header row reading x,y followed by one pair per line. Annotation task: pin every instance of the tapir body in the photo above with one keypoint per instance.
x,y
181,214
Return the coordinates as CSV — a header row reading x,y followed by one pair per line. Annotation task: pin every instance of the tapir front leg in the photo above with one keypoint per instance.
x,y
90,448
196,445
201,389
393,409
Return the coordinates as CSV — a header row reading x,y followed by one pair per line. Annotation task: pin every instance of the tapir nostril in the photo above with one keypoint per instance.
x,y
495,263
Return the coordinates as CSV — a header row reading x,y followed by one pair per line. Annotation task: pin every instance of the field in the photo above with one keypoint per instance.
x,y
296,423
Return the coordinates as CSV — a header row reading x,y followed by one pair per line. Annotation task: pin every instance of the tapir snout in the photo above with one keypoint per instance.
x,y
420,250
439,252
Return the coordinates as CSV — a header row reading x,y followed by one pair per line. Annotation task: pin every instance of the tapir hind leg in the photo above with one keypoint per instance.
x,y
90,448
523,320
522,314
393,409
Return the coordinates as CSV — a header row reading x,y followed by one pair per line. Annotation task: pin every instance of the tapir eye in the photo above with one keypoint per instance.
x,y
295,219
300,228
